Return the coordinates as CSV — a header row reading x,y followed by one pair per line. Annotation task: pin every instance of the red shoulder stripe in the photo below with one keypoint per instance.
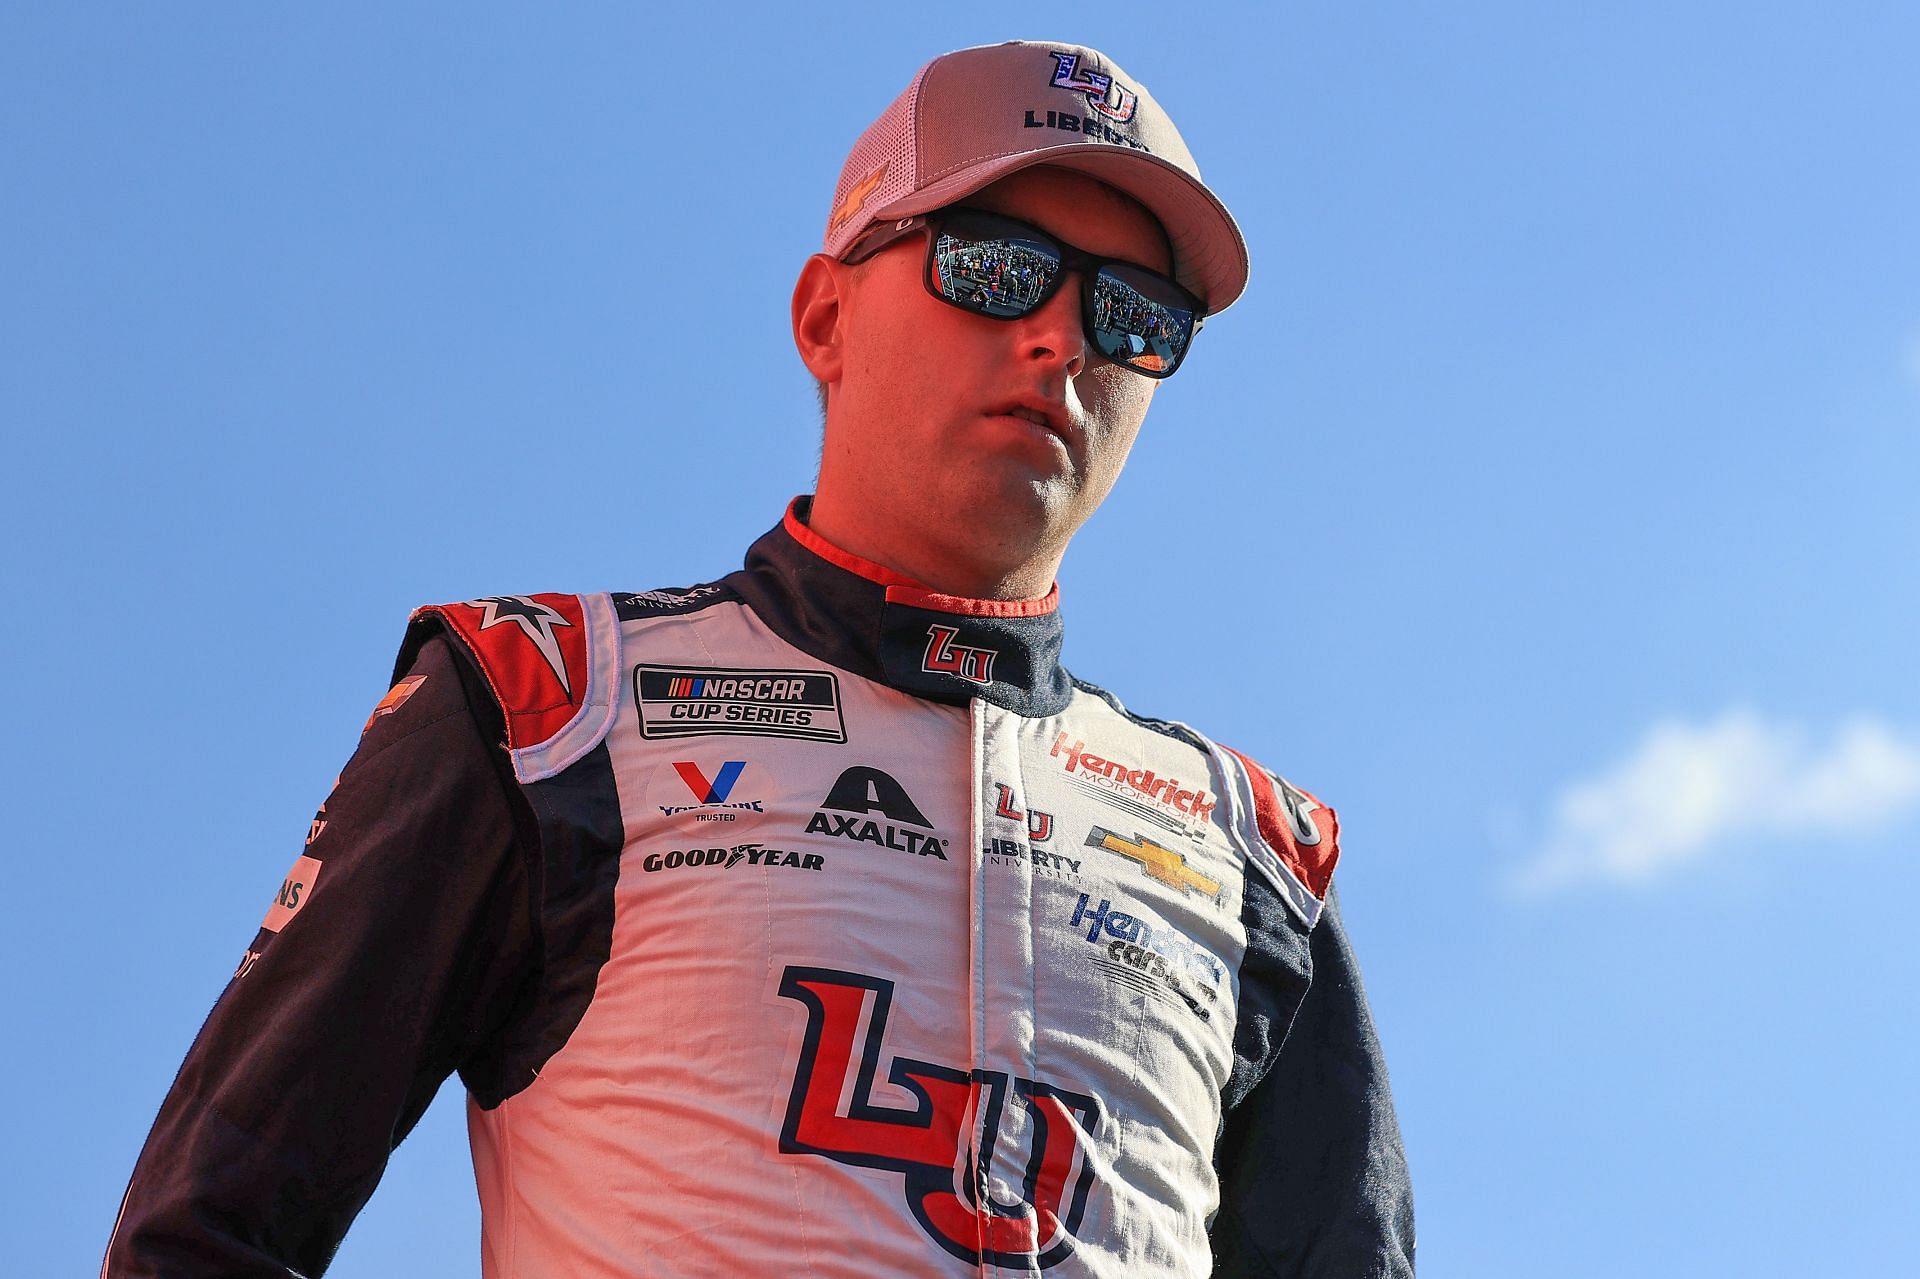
x,y
1282,811
532,649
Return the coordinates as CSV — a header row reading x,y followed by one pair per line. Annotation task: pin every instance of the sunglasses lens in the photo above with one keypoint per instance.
x,y
1001,275
997,267
1140,320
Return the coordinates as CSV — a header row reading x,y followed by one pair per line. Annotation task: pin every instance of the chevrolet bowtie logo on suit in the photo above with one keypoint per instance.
x,y
1163,864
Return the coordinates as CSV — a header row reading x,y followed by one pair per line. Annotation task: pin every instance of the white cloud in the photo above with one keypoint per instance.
x,y
1693,791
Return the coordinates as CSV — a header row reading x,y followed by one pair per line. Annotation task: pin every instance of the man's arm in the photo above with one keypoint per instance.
x,y
1313,1178
389,959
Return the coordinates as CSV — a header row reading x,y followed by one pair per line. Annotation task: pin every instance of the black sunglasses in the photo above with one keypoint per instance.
x,y
1003,268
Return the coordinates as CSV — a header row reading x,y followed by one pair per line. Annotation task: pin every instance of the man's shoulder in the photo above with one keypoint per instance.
x,y
1287,831
1179,731
549,660
670,601
1172,728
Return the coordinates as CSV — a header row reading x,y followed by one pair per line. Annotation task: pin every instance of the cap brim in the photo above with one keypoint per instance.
x,y
1209,253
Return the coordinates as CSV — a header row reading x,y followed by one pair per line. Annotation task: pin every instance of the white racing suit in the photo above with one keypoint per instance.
x,y
807,922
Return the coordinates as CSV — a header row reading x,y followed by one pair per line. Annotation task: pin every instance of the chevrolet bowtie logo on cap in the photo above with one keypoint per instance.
x,y
857,196
974,116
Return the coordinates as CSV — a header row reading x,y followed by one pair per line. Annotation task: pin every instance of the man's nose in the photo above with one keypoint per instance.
x,y
1053,332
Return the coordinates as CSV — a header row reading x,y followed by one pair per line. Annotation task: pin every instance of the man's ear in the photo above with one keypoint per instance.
x,y
819,330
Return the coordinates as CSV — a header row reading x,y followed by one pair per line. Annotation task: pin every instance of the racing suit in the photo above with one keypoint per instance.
x,y
808,922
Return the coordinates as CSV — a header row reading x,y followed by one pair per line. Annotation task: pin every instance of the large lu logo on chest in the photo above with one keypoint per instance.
x,y
944,1144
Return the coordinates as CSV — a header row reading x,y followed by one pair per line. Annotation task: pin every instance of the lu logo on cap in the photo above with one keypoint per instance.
x,y
1096,87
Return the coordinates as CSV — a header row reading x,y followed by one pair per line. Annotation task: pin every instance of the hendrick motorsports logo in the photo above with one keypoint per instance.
x,y
1164,801
691,701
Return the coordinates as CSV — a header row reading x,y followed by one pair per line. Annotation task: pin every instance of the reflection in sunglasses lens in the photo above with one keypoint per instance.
x,y
995,277
1006,276
1133,328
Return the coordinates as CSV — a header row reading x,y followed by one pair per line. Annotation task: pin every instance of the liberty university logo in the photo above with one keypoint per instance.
x,y
944,657
944,1143
1104,94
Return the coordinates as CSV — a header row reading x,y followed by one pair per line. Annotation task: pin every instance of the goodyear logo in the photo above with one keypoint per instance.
x,y
693,701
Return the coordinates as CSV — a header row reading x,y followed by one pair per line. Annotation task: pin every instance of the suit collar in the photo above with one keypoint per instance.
x,y
875,622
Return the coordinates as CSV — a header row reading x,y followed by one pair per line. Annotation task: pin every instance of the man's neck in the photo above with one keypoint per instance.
x,y
986,572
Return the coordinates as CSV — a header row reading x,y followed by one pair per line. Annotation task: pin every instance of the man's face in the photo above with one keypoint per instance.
x,y
1010,431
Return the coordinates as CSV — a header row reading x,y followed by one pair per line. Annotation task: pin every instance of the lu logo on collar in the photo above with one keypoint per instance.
x,y
866,618
944,657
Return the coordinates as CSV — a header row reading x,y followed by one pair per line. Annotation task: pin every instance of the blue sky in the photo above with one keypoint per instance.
x,y
1547,505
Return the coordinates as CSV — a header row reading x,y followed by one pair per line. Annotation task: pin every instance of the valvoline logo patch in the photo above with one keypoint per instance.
x,y
707,792
715,791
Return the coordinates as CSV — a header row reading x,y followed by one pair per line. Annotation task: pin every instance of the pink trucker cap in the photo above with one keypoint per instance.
x,y
975,115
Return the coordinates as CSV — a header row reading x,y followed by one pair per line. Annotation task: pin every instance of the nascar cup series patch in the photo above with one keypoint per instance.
x,y
691,701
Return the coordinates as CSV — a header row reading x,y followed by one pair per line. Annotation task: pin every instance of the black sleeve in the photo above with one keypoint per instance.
x,y
1313,1178
402,940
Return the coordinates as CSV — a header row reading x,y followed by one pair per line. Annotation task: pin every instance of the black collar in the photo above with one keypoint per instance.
x,y
882,625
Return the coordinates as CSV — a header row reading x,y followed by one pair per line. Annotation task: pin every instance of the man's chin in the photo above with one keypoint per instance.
x,y
1017,505
1017,454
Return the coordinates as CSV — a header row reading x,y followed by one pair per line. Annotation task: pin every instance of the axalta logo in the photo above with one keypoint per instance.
x,y
944,657
943,1143
859,792
711,794
1121,778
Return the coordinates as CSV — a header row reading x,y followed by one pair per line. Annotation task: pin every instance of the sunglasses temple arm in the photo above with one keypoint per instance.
x,y
879,238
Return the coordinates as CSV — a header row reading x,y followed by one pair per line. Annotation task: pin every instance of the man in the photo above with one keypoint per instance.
x,y
815,920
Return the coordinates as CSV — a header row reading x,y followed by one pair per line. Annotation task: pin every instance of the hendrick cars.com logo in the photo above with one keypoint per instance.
x,y
690,701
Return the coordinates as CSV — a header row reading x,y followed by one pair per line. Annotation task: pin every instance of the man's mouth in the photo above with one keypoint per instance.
x,y
1051,421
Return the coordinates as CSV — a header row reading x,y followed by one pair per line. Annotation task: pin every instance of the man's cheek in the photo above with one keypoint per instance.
x,y
1112,400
